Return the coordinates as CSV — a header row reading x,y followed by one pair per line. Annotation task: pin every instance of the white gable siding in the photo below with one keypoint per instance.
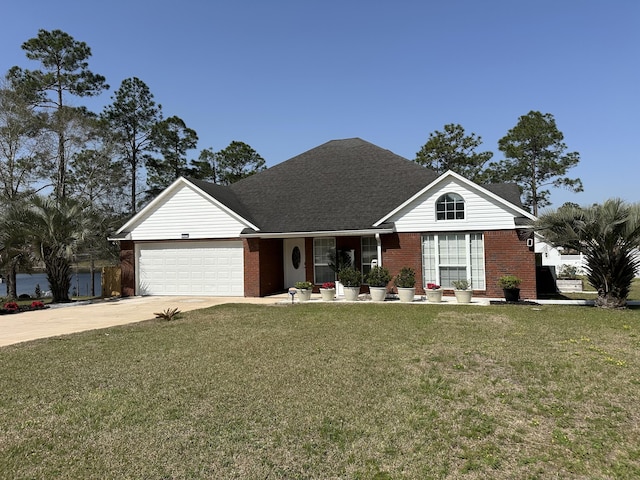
x,y
186,211
481,212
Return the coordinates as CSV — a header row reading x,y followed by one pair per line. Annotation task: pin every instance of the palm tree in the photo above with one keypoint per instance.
x,y
53,231
608,235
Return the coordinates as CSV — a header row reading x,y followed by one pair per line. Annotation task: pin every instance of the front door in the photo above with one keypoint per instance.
x,y
294,265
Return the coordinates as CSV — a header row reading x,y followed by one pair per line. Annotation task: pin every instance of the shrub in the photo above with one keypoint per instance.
x,y
304,285
406,278
461,284
350,277
508,282
378,277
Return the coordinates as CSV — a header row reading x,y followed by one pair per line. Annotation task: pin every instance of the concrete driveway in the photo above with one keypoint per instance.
x,y
70,318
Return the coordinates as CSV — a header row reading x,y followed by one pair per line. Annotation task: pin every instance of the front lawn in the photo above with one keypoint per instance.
x,y
330,391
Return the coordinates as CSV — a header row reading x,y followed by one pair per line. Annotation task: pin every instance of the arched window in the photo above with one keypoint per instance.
x,y
450,206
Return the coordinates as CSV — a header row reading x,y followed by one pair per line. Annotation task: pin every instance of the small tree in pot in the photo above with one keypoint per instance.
x,y
405,282
351,279
378,278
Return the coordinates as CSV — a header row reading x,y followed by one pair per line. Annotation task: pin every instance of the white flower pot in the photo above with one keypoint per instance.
x,y
378,294
434,296
463,296
351,293
406,294
328,294
304,294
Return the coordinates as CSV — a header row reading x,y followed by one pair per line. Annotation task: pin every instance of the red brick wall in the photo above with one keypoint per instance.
x,y
506,254
127,268
251,247
403,250
271,266
263,267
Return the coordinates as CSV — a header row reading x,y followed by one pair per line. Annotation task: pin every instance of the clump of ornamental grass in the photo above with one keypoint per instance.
x,y
168,314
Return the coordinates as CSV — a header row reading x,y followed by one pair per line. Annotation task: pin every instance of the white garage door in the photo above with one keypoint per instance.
x,y
190,268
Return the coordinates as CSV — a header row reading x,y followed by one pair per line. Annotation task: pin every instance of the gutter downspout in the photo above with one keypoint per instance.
x,y
379,249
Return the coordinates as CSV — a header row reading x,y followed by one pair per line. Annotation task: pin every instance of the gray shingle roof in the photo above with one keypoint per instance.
x,y
509,191
224,195
340,185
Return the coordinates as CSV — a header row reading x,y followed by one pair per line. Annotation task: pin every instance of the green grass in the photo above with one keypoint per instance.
x,y
330,391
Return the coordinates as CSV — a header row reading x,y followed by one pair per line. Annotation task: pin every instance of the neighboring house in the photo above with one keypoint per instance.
x,y
557,258
262,234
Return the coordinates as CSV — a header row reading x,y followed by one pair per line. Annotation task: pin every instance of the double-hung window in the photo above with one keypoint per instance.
x,y
322,249
447,257
369,252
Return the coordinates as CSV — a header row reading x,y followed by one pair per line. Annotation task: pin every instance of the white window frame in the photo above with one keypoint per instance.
x,y
475,265
324,263
374,245
457,198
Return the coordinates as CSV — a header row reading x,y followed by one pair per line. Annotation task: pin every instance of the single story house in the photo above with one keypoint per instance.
x,y
261,235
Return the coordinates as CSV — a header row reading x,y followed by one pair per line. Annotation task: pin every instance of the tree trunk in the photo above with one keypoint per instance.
x,y
59,275
12,274
608,300
92,268
134,165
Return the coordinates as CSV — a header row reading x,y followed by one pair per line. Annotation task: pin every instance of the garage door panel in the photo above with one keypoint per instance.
x,y
175,268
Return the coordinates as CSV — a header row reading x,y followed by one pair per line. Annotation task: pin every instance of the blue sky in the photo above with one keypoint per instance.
x,y
286,76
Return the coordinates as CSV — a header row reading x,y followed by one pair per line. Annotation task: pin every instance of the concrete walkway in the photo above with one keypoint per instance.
x,y
70,318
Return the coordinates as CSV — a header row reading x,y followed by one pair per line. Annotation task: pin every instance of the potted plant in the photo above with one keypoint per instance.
x,y
378,278
304,290
351,280
434,293
510,285
405,282
328,291
462,291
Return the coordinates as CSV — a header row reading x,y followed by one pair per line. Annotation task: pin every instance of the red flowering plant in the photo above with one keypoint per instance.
x,y
433,286
37,305
328,285
11,306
